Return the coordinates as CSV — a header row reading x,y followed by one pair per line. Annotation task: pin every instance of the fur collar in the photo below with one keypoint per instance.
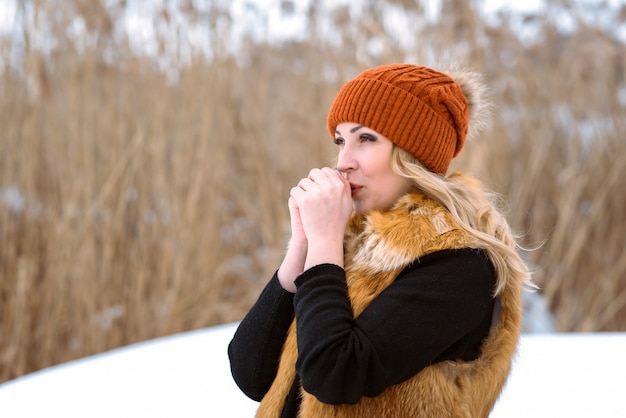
x,y
416,226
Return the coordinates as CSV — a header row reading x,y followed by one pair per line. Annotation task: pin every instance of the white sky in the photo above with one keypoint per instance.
x,y
140,14
7,14
263,19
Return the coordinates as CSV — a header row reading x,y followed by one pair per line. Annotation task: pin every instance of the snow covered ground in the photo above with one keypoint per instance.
x,y
187,375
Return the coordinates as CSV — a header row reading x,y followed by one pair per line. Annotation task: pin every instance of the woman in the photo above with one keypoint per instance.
x,y
399,294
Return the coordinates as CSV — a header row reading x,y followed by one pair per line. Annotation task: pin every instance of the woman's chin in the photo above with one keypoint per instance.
x,y
360,208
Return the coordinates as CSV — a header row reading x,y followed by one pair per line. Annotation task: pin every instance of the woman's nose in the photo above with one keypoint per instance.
x,y
346,161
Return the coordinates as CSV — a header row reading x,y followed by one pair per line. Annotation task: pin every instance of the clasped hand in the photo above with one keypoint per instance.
x,y
320,206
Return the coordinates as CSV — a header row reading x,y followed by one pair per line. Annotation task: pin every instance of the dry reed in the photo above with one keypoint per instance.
x,y
137,202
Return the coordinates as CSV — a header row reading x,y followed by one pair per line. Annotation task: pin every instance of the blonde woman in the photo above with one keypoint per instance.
x,y
400,291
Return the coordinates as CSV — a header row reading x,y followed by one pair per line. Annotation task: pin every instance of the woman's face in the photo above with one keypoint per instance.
x,y
365,158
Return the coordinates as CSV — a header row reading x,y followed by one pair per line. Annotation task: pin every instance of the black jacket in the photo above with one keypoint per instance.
x,y
439,308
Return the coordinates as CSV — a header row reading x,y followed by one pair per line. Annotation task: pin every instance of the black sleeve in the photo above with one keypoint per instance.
x,y
431,306
255,348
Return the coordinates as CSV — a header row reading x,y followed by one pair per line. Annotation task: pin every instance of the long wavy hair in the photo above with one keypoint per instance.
x,y
476,210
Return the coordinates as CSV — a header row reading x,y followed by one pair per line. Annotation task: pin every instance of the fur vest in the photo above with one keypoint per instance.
x,y
377,248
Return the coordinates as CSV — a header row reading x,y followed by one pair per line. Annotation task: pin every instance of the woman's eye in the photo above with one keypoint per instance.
x,y
338,141
368,138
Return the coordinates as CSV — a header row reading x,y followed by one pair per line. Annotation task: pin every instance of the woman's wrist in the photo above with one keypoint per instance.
x,y
324,251
292,265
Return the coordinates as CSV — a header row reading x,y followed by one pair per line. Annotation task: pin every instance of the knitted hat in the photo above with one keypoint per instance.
x,y
421,110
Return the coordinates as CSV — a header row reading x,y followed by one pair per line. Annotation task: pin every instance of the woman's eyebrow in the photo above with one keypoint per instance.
x,y
353,130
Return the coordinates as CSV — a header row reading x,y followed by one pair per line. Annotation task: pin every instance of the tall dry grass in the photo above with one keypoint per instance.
x,y
144,196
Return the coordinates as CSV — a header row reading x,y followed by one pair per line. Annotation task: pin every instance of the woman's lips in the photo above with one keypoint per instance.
x,y
355,189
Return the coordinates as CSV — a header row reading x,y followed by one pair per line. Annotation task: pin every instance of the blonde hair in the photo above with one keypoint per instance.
x,y
476,211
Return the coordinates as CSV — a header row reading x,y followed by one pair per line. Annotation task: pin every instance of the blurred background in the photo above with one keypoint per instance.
x,y
147,149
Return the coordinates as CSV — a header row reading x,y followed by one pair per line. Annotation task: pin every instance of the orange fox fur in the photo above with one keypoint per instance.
x,y
377,248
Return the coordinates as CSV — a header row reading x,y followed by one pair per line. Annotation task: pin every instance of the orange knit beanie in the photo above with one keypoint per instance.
x,y
419,109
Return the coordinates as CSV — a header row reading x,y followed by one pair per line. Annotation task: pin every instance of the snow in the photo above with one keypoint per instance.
x,y
184,375
188,375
